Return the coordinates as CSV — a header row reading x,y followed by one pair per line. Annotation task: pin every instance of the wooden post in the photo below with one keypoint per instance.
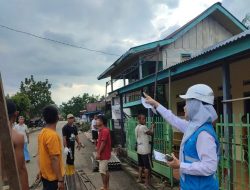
x,y
156,70
123,134
140,68
7,153
111,82
1,167
227,114
124,80
105,98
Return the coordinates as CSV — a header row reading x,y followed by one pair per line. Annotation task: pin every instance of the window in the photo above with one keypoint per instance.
x,y
148,67
185,56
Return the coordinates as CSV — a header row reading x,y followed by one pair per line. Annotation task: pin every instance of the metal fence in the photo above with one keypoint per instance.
x,y
233,170
162,142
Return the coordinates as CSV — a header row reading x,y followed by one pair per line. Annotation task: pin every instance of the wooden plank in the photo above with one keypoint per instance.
x,y
199,35
236,99
222,33
205,33
178,43
186,42
210,31
214,31
8,150
193,38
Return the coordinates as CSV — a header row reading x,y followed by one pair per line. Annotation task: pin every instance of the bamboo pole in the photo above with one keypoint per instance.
x,y
236,99
8,156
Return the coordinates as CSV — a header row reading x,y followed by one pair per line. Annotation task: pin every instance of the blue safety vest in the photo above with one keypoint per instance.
x,y
192,182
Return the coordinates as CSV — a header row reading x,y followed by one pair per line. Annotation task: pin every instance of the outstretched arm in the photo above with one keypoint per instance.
x,y
151,129
172,119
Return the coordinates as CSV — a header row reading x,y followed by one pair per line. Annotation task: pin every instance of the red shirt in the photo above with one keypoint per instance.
x,y
104,136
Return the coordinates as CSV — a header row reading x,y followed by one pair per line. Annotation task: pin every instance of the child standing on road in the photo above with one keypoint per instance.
x,y
143,148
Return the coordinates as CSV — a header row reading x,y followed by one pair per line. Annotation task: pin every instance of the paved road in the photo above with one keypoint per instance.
x,y
32,166
119,180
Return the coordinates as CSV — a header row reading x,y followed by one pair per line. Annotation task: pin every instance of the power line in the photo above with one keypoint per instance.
x,y
56,41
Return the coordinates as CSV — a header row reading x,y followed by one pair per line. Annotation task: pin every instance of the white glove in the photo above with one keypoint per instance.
x,y
66,150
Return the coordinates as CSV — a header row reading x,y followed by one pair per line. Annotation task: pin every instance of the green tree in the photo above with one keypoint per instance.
x,y
76,104
38,92
23,104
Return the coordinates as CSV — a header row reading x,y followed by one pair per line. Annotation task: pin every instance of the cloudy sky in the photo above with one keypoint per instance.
x,y
112,26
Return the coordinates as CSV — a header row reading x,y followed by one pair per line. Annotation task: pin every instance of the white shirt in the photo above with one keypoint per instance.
x,y
22,129
206,147
143,146
93,124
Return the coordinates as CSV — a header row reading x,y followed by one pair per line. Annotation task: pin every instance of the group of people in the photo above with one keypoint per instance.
x,y
199,149
50,152
51,165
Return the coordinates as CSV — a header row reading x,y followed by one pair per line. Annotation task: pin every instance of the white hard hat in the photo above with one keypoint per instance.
x,y
200,92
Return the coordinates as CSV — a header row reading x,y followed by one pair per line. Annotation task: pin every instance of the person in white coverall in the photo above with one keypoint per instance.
x,y
199,150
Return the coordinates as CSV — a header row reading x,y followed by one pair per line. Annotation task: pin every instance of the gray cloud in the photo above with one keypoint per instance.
x,y
170,30
66,38
238,8
96,24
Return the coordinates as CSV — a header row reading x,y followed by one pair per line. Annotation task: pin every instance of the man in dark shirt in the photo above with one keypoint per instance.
x,y
103,149
70,135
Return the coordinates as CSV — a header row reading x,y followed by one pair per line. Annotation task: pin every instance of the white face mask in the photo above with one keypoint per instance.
x,y
197,112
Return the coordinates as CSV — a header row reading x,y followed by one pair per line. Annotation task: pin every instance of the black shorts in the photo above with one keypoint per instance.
x,y
49,185
94,134
144,161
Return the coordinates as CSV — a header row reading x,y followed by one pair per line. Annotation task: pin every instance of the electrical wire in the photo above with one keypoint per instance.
x,y
56,41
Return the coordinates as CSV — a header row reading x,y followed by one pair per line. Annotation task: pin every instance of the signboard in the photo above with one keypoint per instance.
x,y
116,112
